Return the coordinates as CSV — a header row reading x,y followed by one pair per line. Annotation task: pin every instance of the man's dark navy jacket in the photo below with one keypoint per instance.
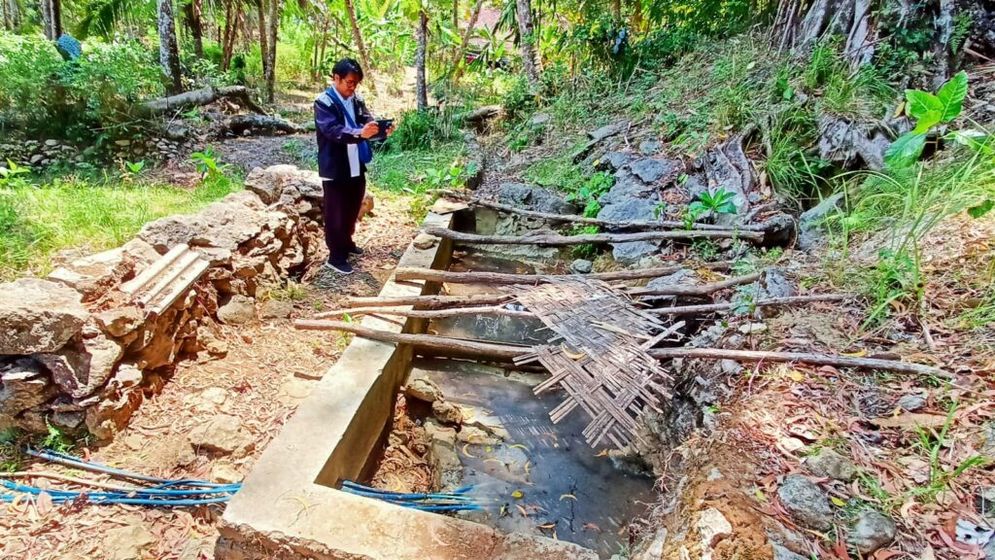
x,y
334,133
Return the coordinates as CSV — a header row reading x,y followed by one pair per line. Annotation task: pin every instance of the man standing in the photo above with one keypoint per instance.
x,y
343,126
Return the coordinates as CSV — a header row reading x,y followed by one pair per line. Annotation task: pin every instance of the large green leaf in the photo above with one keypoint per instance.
x,y
925,107
905,150
951,96
981,209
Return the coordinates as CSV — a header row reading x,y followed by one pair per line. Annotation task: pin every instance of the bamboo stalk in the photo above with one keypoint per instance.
x,y
633,225
425,314
489,350
800,357
701,290
499,278
713,307
554,240
427,302
448,345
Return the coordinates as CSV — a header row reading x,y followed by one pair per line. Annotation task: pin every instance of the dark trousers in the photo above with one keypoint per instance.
x,y
343,197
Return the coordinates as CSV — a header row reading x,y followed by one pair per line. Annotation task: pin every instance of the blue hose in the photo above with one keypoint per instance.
x,y
192,492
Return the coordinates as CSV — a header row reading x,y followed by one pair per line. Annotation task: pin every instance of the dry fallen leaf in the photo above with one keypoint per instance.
x,y
910,421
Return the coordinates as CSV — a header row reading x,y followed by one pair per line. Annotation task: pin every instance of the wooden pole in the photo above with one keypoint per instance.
x,y
633,226
702,290
427,302
553,240
498,278
448,346
714,307
425,314
488,350
800,357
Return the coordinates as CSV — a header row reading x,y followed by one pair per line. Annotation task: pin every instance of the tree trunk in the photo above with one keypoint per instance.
x,y
169,55
421,87
358,37
944,23
192,13
228,35
458,62
637,15
199,97
523,11
261,8
51,16
274,26
456,15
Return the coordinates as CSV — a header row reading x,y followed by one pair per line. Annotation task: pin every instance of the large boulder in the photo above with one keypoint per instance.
x,y
531,197
38,316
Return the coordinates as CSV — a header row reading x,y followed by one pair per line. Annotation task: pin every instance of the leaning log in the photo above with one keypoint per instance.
x,y
702,290
486,350
428,302
200,97
554,240
504,278
445,345
772,302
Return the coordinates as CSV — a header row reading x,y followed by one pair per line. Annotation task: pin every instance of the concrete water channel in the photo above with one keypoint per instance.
x,y
547,494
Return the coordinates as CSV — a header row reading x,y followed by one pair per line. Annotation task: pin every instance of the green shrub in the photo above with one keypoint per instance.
x,y
28,68
42,94
425,129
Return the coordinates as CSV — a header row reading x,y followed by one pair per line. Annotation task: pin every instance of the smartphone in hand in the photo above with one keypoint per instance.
x,y
382,126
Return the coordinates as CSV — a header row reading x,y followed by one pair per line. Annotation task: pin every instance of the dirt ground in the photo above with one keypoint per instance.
x,y
268,370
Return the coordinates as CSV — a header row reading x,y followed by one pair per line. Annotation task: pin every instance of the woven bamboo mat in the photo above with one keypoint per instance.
x,y
598,357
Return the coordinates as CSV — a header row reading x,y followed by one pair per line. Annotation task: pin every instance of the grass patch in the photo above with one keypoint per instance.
x,y
417,171
71,212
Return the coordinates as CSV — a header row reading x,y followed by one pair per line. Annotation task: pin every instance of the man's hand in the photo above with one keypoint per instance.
x,y
391,129
369,130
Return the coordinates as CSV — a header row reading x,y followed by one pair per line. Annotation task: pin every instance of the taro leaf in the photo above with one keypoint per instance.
x,y
951,96
697,208
981,209
926,108
905,150
727,207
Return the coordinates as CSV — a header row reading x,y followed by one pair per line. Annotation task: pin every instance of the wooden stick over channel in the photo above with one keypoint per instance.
x,y
427,302
446,345
504,278
632,226
509,352
426,314
702,290
800,357
772,302
556,240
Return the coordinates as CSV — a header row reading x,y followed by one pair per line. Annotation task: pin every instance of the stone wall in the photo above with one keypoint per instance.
x,y
79,352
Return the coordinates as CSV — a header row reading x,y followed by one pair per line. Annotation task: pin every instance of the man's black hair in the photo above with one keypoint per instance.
x,y
347,66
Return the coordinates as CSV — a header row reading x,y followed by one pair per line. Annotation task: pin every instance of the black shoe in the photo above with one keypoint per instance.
x,y
340,266
356,251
